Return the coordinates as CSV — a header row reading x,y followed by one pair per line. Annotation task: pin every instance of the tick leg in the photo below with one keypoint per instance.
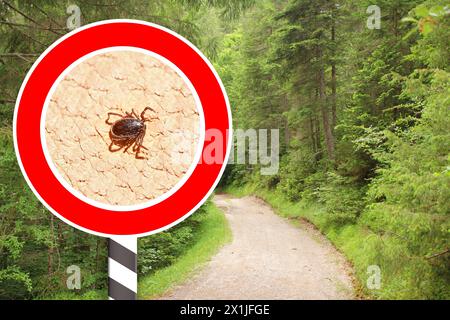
x,y
135,114
128,146
114,150
138,145
129,115
143,135
140,139
142,113
138,156
112,113
138,150
115,113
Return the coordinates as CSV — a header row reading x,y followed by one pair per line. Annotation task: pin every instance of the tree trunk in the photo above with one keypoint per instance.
x,y
312,134
318,141
329,139
97,259
287,136
50,247
333,79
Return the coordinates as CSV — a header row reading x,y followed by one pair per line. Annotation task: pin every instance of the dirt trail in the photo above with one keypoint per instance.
x,y
269,258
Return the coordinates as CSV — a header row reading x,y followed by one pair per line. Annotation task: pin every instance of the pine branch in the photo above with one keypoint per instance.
x,y
14,54
7,101
438,254
61,27
28,36
20,55
102,5
29,26
28,17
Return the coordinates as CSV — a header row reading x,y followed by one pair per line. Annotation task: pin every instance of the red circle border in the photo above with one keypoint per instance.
x,y
31,100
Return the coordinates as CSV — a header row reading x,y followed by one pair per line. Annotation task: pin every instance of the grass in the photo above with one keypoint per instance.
x,y
88,295
212,235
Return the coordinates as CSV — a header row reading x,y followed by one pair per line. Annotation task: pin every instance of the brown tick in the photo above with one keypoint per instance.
x,y
128,131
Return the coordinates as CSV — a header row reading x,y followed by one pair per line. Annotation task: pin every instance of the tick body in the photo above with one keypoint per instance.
x,y
127,128
128,131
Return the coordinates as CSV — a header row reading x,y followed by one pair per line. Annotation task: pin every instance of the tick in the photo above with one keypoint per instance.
x,y
128,131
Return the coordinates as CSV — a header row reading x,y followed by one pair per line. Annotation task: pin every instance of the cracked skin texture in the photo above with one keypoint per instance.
x,y
78,138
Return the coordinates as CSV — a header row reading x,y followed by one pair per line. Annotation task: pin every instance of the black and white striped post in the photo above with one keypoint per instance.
x,y
122,268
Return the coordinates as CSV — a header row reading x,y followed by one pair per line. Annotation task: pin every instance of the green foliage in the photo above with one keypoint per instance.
x,y
426,18
88,295
296,167
14,281
162,249
343,199
415,189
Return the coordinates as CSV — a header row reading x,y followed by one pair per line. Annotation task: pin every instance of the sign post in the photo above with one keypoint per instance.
x,y
122,225
122,268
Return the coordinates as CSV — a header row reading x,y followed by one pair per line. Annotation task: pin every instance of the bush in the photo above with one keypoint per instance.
x,y
343,199
160,250
295,168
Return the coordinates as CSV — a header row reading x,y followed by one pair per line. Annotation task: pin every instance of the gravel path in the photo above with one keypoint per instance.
x,y
269,258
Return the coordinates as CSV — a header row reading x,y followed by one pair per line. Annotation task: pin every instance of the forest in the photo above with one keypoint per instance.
x,y
363,111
